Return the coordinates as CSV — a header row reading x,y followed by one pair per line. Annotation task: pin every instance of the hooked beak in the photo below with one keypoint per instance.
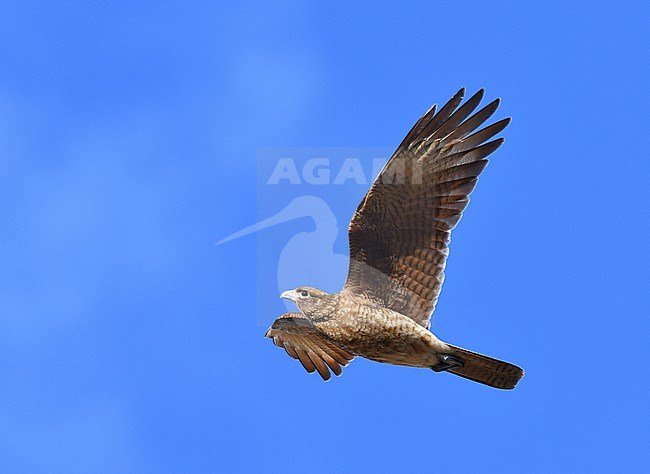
x,y
289,295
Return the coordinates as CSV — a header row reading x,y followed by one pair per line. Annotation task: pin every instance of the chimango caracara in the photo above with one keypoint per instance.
x,y
399,242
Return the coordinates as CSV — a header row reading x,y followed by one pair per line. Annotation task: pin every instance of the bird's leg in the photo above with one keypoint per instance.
x,y
447,362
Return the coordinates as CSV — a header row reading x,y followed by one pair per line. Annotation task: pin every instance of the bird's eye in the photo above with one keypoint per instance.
x,y
304,293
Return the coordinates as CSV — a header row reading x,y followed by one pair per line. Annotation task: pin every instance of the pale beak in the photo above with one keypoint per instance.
x,y
289,295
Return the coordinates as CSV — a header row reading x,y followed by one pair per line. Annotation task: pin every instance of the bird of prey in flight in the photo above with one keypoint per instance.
x,y
399,242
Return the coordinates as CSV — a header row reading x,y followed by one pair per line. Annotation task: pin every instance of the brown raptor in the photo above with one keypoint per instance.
x,y
399,242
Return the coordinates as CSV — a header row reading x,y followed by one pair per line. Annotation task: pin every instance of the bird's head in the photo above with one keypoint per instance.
x,y
309,299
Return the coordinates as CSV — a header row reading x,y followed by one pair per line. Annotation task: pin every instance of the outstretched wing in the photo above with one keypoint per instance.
x,y
399,235
304,342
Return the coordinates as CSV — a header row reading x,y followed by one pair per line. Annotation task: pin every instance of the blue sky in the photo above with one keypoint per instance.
x,y
131,140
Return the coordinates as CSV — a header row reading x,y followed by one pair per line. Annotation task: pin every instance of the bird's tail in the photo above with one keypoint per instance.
x,y
480,368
